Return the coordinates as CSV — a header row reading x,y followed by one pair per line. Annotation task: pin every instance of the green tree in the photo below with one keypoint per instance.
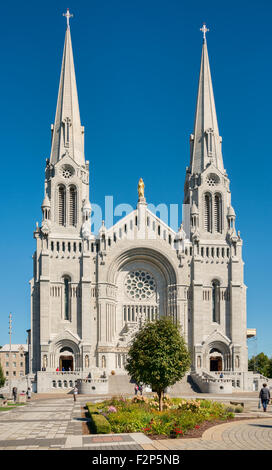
x,y
269,370
158,356
2,378
260,363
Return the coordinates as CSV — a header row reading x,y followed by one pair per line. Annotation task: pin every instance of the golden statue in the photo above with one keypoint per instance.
x,y
141,188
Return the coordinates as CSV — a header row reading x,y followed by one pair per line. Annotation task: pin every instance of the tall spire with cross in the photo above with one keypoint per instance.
x,y
206,141
67,130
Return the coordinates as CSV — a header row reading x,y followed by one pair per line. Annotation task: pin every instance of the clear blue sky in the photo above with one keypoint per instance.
x,y
137,65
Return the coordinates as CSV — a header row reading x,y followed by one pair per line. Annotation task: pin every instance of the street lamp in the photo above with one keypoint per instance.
x,y
10,331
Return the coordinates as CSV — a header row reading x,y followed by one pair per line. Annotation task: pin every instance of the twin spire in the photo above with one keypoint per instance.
x,y
68,134
206,141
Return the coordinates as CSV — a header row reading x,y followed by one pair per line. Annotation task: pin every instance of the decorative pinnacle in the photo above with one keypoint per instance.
x,y
204,30
68,15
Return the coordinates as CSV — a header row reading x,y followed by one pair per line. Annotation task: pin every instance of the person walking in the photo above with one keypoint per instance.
x,y
141,390
14,393
75,392
264,396
28,393
136,388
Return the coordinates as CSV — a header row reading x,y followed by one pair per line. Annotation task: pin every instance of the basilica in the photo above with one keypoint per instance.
x,y
91,293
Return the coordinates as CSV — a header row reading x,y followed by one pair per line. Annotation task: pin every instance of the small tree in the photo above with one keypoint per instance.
x,y
260,363
2,378
158,356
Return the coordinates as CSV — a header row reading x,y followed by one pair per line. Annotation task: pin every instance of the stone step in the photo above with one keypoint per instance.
x,y
121,384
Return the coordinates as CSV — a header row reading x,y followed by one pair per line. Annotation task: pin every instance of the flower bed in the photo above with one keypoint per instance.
x,y
141,414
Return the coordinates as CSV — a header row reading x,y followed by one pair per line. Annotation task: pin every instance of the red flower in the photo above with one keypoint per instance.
x,y
197,427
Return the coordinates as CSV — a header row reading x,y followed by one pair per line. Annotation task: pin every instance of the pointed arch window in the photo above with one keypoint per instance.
x,y
67,124
218,213
216,301
61,204
210,136
208,212
72,206
66,296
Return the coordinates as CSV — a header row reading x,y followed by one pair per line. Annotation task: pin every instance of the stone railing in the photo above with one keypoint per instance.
x,y
209,384
93,386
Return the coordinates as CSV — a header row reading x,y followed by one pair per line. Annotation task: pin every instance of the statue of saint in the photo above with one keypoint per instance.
x,y
141,188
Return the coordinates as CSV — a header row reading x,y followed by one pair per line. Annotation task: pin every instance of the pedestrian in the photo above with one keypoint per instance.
x,y
57,369
28,393
136,388
141,389
264,396
14,393
75,392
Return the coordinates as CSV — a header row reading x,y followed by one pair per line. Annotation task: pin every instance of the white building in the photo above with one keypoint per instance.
x,y
90,294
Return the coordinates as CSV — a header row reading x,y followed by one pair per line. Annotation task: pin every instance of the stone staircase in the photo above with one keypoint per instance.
x,y
121,385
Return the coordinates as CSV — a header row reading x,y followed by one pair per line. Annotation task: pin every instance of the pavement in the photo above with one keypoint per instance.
x,y
55,422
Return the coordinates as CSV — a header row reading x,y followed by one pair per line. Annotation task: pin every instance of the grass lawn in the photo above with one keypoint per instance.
x,y
140,414
10,406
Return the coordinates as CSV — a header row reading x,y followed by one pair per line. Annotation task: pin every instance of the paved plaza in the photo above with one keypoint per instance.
x,y
56,423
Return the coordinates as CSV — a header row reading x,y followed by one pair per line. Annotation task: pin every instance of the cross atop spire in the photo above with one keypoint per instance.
x,y
204,30
68,135
206,140
68,15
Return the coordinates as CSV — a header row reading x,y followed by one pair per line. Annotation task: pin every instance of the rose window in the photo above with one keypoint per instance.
x,y
212,180
140,285
66,172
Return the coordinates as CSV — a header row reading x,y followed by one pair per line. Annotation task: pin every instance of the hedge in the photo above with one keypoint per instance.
x,y
98,423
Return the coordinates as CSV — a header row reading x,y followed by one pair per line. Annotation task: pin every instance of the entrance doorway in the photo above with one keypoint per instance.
x,y
66,363
215,364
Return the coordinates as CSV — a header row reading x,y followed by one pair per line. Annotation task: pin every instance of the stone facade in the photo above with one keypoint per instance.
x,y
91,294
13,361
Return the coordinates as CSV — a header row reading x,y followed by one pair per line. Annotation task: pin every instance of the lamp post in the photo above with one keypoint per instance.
x,y
10,368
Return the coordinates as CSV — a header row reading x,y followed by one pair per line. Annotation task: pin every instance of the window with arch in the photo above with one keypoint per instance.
x,y
208,212
66,281
61,204
216,301
72,206
218,213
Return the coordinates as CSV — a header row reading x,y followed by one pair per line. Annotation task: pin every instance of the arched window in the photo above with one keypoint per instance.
x,y
216,301
66,280
72,206
61,205
208,212
218,213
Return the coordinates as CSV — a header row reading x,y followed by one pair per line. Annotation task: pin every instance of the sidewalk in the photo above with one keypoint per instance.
x,y
56,423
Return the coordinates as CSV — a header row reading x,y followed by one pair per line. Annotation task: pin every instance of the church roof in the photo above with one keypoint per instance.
x,y
206,141
67,132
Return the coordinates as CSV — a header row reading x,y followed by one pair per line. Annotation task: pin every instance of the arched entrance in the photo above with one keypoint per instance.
x,y
66,359
216,364
217,356
216,360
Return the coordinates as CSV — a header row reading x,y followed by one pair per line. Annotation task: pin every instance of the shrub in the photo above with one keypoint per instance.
x,y
239,409
99,424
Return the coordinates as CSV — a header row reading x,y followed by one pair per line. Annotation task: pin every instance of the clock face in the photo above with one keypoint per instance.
x,y
67,171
